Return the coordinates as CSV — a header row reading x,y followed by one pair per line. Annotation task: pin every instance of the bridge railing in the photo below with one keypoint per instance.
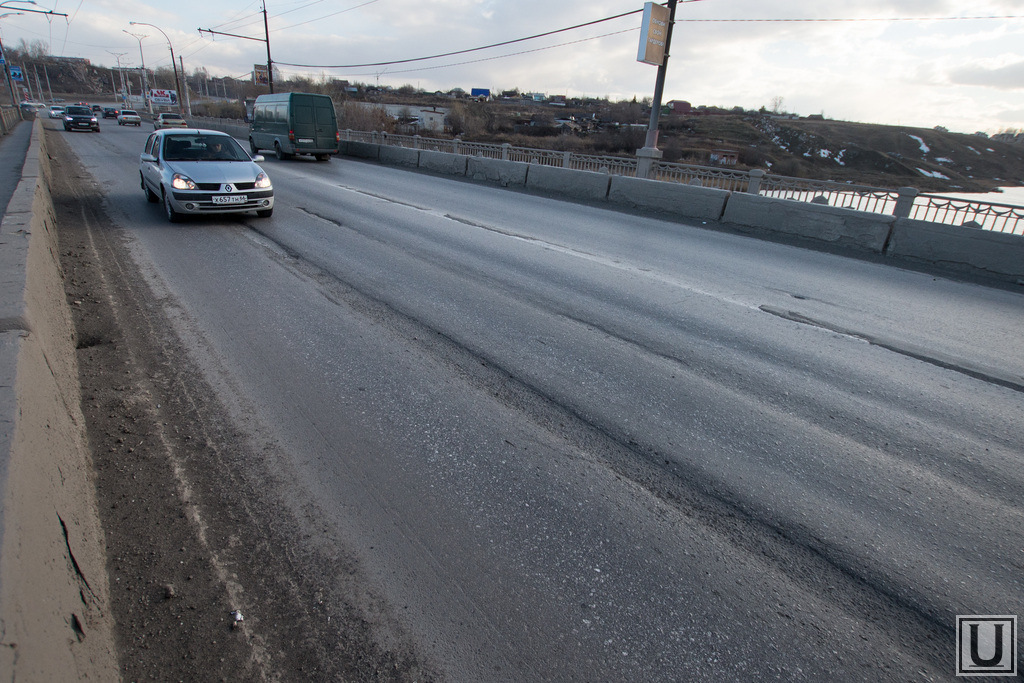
x,y
904,203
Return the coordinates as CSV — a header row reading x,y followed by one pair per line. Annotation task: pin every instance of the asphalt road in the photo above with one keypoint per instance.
x,y
567,443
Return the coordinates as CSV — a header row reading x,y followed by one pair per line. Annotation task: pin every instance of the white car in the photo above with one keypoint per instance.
x,y
203,172
169,121
129,117
56,112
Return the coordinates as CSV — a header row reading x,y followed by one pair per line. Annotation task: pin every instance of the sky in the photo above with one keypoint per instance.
x,y
921,63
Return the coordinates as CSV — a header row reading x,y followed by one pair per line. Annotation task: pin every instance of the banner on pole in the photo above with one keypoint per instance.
x,y
653,34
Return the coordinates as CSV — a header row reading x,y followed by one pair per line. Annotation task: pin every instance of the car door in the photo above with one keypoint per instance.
x,y
151,169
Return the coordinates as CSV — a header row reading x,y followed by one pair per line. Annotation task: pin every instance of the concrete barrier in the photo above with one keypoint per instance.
x,y
568,182
703,203
399,156
443,162
968,250
505,173
363,150
857,230
54,596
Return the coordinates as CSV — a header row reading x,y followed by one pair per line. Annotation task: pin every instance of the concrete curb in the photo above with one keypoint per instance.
x,y
54,597
967,250
702,203
566,182
858,230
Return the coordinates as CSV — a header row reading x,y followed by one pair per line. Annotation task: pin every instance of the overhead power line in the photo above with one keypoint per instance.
x,y
618,16
462,52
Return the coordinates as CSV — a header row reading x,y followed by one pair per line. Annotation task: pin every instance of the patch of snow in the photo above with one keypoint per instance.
x,y
824,153
989,149
973,150
932,174
924,148
839,157
944,160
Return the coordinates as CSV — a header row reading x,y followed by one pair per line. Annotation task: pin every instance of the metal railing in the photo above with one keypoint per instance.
x,y
903,203
983,215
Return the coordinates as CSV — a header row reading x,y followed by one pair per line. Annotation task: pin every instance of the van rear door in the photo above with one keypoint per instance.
x,y
314,124
326,123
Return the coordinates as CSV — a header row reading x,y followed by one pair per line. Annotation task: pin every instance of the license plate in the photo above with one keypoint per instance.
x,y
306,140
230,199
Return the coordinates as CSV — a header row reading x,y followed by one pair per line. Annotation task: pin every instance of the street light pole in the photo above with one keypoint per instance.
x,y
145,82
174,64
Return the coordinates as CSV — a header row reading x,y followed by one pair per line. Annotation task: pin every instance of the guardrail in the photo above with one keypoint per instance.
x,y
9,118
902,203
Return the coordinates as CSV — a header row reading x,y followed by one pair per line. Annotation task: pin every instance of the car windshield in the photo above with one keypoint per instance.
x,y
170,117
78,111
203,147
128,112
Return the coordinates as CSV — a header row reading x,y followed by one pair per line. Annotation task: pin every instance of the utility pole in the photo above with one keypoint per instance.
x,y
270,63
650,151
142,58
184,82
265,39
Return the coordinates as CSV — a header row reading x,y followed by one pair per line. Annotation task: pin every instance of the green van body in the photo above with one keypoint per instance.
x,y
294,123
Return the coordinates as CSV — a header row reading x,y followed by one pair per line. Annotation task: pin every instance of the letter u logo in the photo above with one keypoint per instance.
x,y
997,656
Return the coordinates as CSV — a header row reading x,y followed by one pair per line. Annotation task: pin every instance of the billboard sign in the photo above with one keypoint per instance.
x,y
654,34
16,74
260,74
165,98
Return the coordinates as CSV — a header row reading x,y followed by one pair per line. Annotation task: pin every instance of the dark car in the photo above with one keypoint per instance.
x,y
77,117
110,113
96,108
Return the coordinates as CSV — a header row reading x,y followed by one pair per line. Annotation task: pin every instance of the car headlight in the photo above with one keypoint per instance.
x,y
68,118
182,182
93,119
263,181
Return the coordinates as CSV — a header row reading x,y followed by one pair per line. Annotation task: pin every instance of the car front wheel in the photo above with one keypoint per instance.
x,y
172,215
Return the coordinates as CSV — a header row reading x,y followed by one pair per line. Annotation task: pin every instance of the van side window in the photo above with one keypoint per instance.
x,y
281,113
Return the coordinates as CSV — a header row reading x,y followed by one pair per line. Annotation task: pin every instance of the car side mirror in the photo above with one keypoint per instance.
x,y
147,158
258,158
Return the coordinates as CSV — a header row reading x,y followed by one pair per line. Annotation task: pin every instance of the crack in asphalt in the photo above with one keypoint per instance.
x,y
983,374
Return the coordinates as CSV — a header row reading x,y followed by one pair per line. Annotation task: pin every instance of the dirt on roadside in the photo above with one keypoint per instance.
x,y
208,580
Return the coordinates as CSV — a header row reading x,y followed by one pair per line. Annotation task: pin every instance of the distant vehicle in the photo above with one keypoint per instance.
x,y
96,108
110,113
129,117
294,123
169,121
56,112
77,117
203,171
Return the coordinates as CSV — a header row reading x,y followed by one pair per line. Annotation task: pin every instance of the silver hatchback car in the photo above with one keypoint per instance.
x,y
197,171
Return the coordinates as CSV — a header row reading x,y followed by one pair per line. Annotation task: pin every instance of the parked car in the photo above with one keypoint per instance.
x,y
129,117
56,112
77,117
110,113
203,172
169,121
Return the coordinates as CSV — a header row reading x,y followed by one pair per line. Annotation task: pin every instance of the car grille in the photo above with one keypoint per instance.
x,y
215,187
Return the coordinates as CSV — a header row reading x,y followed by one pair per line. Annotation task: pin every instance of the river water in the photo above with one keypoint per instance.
x,y
1009,195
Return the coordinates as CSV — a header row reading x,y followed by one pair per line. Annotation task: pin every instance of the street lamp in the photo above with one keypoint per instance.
x,y
174,64
145,82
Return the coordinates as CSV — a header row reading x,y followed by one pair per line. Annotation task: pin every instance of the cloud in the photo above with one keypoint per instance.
x,y
1009,77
